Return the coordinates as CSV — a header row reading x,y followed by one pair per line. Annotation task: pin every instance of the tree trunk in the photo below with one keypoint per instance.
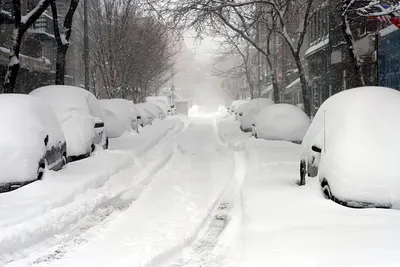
x,y
14,64
60,64
354,58
275,88
304,86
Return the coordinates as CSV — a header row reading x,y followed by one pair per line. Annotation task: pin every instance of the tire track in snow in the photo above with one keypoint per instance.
x,y
205,250
104,210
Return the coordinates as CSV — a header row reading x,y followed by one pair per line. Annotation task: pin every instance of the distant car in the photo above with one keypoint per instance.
x,y
353,147
80,116
31,140
146,117
250,112
281,122
125,110
235,104
238,110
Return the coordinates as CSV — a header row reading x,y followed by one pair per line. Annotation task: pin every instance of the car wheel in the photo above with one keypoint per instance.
x,y
107,143
326,189
65,159
303,172
41,168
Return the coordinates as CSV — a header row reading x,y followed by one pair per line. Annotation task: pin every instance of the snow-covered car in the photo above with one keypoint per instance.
x,y
352,146
31,141
126,112
281,122
250,112
154,110
80,116
161,101
239,110
235,104
147,117
113,125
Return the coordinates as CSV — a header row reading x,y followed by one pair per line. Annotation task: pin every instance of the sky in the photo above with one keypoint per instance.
x,y
202,50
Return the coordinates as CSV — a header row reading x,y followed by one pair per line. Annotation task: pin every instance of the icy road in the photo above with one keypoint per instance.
x,y
189,192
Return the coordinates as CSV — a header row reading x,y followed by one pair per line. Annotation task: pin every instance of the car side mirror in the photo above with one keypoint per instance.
x,y
46,140
139,117
241,114
316,149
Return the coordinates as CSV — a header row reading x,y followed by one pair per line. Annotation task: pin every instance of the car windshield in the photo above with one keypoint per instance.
x,y
200,133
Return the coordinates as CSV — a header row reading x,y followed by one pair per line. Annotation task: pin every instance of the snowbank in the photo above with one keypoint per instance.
x,y
77,110
360,156
251,110
25,123
282,122
124,110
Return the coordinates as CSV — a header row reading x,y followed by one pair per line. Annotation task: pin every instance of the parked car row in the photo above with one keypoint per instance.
x,y
351,145
54,125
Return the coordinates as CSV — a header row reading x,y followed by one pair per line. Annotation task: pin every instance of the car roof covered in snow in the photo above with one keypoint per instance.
x,y
282,122
65,99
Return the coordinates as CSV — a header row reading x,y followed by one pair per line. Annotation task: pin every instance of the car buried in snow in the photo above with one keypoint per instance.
x,y
31,141
353,146
250,112
81,118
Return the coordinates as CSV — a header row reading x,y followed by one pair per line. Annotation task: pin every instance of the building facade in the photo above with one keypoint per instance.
x,y
38,48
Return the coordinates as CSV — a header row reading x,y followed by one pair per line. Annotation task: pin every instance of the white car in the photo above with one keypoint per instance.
x,y
250,112
80,116
281,122
31,141
353,147
113,125
155,111
125,110
235,104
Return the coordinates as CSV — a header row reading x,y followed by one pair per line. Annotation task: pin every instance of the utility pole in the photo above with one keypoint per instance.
x,y
86,43
173,88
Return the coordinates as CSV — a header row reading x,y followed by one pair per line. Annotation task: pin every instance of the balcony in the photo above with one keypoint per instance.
x,y
42,29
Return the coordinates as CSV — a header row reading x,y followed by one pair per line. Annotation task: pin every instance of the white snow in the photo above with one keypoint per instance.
x,y
25,122
251,110
155,111
314,48
359,142
77,110
239,110
388,30
286,225
161,101
113,125
235,104
282,122
45,213
170,212
124,109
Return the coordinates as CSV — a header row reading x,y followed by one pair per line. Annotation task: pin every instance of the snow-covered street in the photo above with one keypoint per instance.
x,y
190,192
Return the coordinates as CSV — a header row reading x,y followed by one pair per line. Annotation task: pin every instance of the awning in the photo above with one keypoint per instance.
x,y
316,47
294,86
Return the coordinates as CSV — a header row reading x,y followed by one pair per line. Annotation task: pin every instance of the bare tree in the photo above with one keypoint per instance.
x,y
62,37
355,59
241,17
21,24
231,48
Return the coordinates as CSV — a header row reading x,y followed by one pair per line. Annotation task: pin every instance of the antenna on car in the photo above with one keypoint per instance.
x,y
324,130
